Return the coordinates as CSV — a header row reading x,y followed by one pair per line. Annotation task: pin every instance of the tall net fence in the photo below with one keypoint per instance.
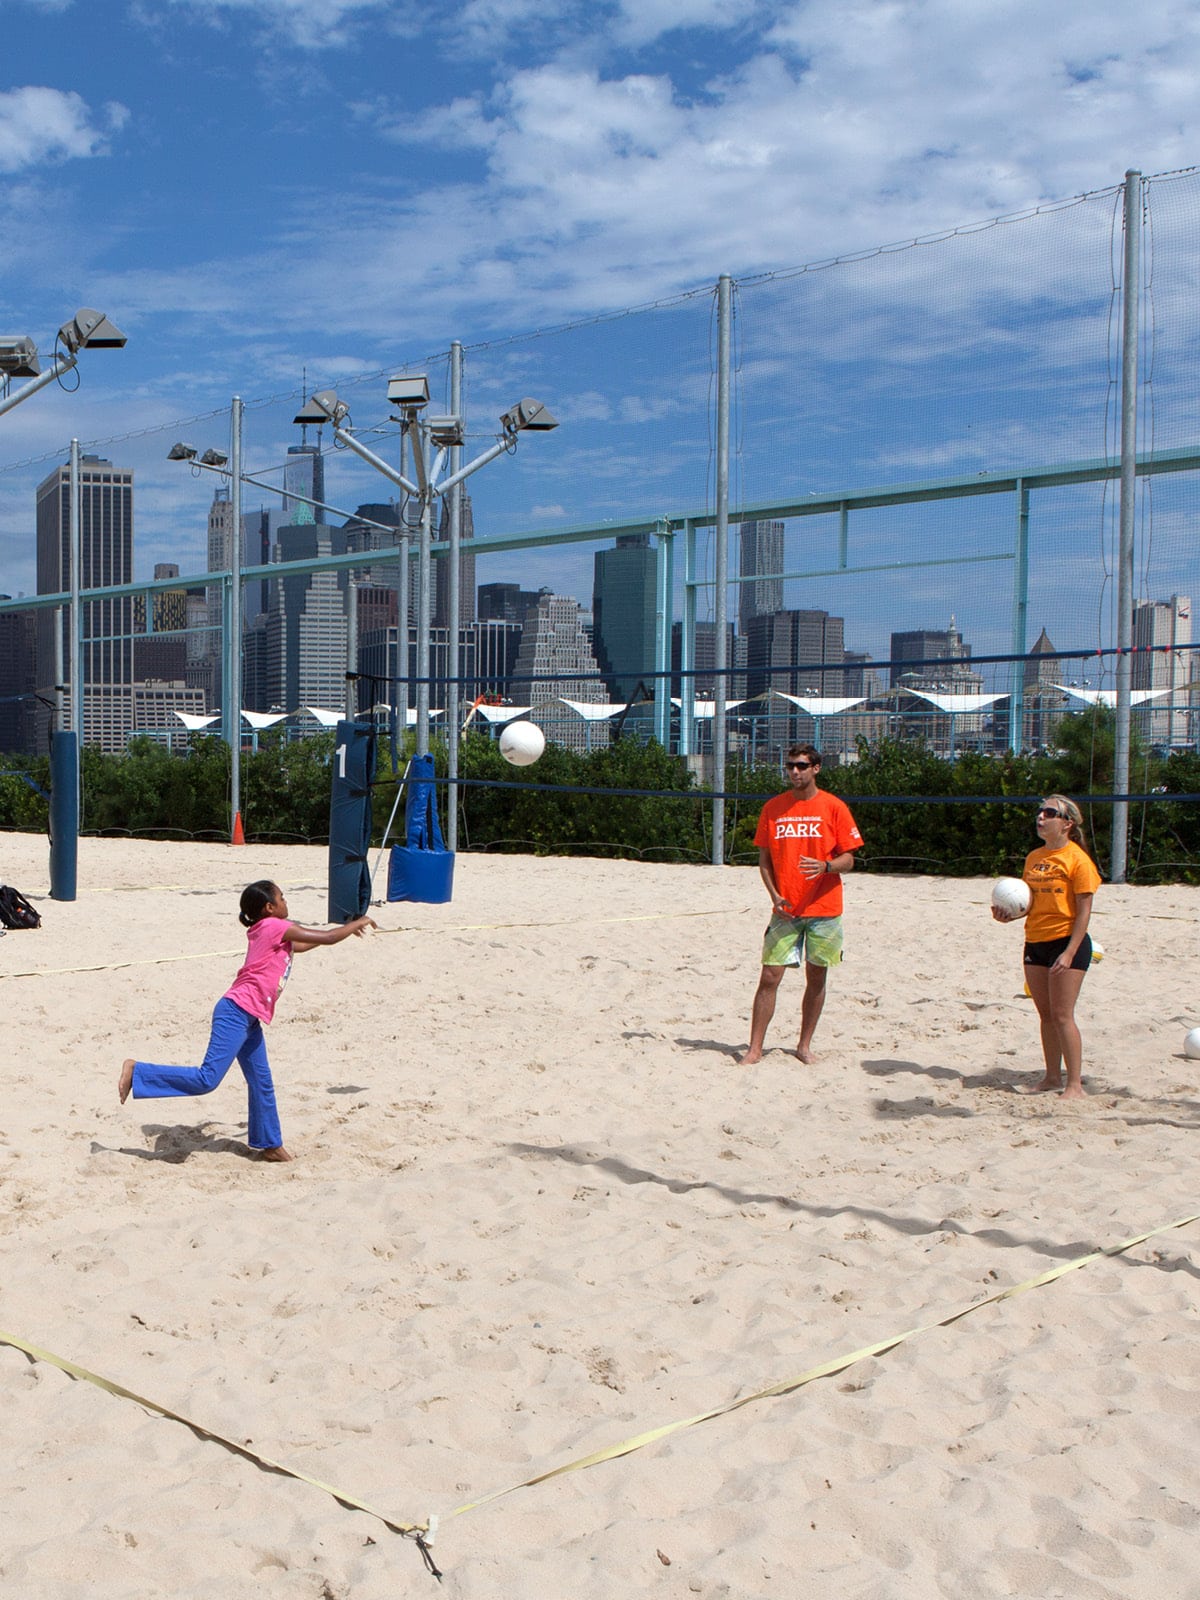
x,y
935,368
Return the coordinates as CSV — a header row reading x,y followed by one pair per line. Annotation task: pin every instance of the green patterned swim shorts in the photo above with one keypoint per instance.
x,y
790,940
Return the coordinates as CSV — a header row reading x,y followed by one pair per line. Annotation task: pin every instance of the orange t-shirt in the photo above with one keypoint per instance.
x,y
1055,877
792,829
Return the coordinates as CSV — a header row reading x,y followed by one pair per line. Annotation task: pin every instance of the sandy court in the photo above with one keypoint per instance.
x,y
538,1209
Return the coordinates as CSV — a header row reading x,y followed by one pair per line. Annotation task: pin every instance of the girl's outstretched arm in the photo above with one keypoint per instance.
x,y
302,939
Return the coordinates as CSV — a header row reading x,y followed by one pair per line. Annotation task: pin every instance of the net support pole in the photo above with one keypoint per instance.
x,y
1129,381
454,608
721,561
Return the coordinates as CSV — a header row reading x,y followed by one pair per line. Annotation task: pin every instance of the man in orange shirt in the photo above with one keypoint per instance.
x,y
806,839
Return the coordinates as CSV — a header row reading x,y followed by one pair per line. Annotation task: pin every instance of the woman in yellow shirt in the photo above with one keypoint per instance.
x,y
1062,881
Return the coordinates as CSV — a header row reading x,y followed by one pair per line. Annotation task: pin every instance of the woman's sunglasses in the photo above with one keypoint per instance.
x,y
1049,811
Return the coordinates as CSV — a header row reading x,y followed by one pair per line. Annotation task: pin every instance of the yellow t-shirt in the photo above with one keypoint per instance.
x,y
1055,878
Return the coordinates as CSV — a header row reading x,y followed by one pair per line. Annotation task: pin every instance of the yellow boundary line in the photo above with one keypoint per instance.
x,y
424,1531
462,927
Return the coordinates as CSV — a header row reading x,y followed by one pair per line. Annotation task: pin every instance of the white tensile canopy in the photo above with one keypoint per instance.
x,y
501,713
1108,697
821,705
703,709
956,703
593,711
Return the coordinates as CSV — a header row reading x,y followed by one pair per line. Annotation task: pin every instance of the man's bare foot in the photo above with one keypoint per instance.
x,y
276,1154
805,1055
1043,1086
749,1059
125,1081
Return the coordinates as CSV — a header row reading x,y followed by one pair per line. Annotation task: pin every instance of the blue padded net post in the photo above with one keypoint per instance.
x,y
350,821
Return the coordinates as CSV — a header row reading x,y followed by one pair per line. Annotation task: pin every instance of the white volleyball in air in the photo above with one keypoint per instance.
x,y
522,743
1011,896
1191,1045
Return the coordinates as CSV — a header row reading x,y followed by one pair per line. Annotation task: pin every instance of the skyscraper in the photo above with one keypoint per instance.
x,y
556,662
800,653
623,613
761,552
303,475
106,557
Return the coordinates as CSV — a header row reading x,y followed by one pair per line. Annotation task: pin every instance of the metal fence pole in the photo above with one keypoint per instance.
x,y
1129,381
76,480
721,560
1020,625
454,609
233,652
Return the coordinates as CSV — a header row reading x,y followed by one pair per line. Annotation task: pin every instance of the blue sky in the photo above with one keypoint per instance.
x,y
257,188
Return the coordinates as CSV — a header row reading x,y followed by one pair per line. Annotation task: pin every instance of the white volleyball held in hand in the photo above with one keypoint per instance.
x,y
1011,896
522,743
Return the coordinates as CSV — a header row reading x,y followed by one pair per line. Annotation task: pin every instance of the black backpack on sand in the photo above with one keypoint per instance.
x,y
15,910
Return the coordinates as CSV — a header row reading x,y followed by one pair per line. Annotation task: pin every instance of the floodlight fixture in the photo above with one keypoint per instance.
x,y
446,432
18,357
322,407
215,458
182,452
90,330
409,390
528,414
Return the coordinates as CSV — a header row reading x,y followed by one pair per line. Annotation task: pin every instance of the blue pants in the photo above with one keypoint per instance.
x,y
236,1036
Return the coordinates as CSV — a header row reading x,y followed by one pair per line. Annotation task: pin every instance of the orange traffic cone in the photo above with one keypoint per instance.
x,y
238,836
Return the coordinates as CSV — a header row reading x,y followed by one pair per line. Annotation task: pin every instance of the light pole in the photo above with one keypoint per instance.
x,y
433,438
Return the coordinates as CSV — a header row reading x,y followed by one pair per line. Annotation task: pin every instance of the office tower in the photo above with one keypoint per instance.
x,y
760,552
303,480
1160,629
106,558
306,633
18,632
923,658
623,614
705,661
220,559
161,656
506,602
466,568
376,526
556,662
800,653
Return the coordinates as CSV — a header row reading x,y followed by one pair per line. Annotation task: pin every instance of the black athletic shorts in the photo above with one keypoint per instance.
x,y
1047,951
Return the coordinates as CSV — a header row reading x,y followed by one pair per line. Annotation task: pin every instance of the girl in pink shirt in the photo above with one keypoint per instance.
x,y
240,1014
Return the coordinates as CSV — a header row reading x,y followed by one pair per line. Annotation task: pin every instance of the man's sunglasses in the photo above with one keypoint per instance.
x,y
798,766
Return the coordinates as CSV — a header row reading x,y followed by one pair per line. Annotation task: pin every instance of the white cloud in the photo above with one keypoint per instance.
x,y
39,125
307,24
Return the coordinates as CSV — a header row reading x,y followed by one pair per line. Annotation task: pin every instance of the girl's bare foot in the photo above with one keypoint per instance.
x,y
125,1081
276,1154
750,1057
805,1055
1074,1091
1043,1086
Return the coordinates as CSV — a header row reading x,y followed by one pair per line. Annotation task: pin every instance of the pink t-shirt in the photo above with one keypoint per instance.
x,y
264,972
